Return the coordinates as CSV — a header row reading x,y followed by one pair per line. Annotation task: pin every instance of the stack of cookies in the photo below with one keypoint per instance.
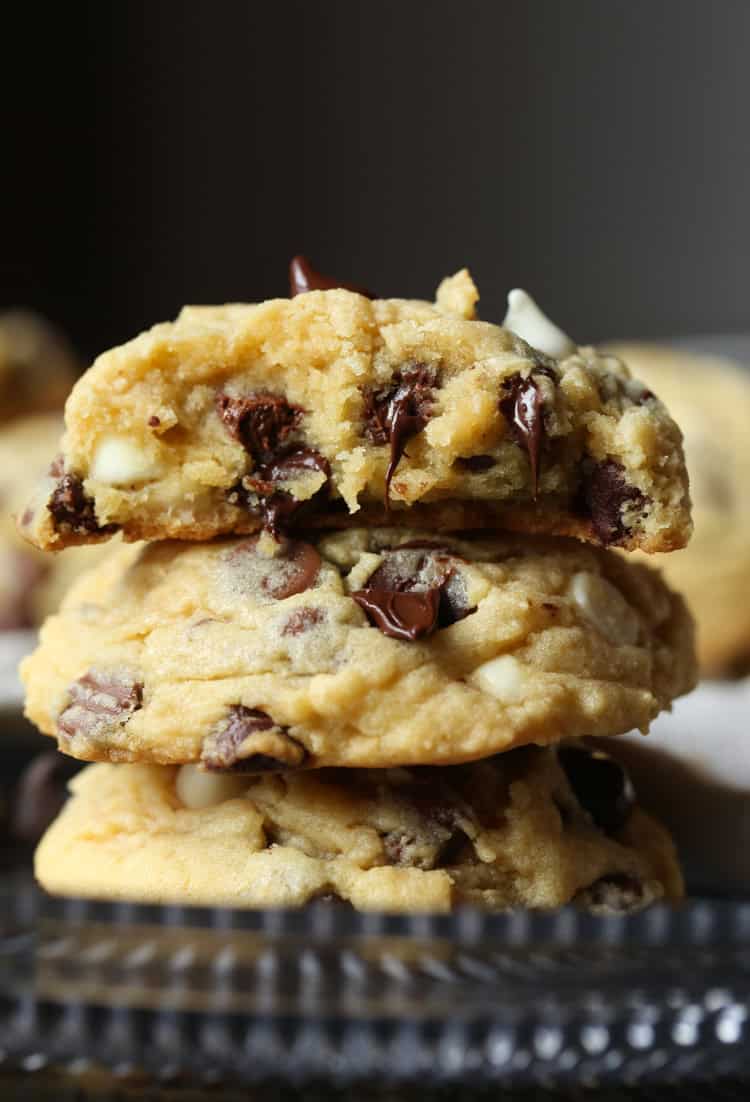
x,y
377,614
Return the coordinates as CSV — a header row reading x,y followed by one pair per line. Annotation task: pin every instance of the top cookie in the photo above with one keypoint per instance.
x,y
711,399
303,411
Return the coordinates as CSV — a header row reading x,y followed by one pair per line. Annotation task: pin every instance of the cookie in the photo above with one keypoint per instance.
x,y
32,584
311,410
371,647
533,828
711,400
37,365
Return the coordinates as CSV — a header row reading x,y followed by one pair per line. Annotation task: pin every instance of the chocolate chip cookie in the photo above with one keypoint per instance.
x,y
711,400
37,365
308,411
532,828
370,647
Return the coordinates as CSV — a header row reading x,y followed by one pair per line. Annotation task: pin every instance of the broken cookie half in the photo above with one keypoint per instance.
x,y
307,411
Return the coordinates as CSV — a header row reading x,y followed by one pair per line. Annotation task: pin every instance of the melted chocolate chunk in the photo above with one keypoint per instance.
x,y
303,278
614,894
522,408
259,494
302,620
72,511
261,422
600,784
100,702
235,745
40,795
603,495
406,615
300,565
475,464
395,414
412,593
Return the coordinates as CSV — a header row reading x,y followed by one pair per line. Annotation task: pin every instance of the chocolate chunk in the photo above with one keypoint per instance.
x,y
154,421
522,408
412,593
600,784
475,464
406,616
259,493
603,495
292,570
100,702
250,741
437,827
261,422
302,620
617,893
395,414
304,278
72,511
40,794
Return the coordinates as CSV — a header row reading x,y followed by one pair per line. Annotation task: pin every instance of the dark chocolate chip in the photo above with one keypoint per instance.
x,y
259,494
617,893
100,702
437,837
303,278
154,421
522,408
40,794
72,511
302,620
412,593
300,564
261,422
475,464
407,616
396,413
603,495
600,784
235,744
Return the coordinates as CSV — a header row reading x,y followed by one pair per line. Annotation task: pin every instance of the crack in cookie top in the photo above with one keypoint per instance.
x,y
329,406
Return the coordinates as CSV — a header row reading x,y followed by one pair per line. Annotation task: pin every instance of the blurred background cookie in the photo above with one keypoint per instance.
x,y
37,365
709,398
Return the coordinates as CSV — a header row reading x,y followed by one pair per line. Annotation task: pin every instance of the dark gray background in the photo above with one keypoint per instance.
x,y
595,151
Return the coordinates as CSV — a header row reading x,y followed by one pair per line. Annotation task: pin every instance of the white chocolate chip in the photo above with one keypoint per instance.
x,y
605,608
526,320
503,678
118,461
197,789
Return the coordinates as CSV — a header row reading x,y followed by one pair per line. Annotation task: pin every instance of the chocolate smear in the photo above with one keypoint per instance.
x,y
303,278
100,702
395,414
72,511
261,422
250,741
413,593
603,495
600,784
522,407
302,620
